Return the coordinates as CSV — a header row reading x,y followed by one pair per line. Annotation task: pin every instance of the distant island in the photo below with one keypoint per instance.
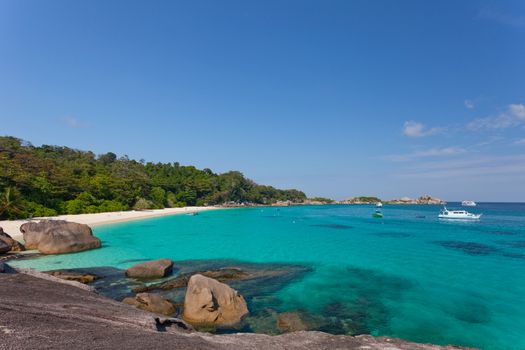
x,y
54,180
425,199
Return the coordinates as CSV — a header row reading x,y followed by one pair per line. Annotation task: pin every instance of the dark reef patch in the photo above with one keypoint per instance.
x,y
469,310
334,226
471,248
392,234
514,244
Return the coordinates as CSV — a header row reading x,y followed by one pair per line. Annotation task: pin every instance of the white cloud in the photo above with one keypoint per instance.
x,y
74,123
469,104
513,116
520,142
517,110
415,129
432,152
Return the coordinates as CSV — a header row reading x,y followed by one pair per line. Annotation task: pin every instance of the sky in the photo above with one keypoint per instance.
x,y
336,98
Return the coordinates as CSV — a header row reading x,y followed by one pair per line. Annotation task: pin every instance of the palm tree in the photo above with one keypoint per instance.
x,y
10,206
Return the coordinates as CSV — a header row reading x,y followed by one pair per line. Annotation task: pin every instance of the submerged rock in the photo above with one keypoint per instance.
x,y
291,322
151,269
13,244
72,275
152,303
58,236
211,303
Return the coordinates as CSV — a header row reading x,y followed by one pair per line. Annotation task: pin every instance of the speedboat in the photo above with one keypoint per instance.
x,y
377,214
468,203
458,214
379,204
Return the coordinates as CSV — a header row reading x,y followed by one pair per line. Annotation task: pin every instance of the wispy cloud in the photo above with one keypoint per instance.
x,y
513,20
414,129
469,104
514,115
432,152
520,142
74,123
471,167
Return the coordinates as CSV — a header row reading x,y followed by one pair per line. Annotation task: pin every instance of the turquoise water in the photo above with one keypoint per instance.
x,y
408,275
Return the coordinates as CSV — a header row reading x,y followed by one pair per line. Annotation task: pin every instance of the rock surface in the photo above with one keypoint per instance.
x,y
152,303
14,245
77,276
211,303
151,269
57,316
58,236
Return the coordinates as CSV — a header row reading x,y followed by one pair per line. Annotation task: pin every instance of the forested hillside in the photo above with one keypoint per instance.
x,y
51,180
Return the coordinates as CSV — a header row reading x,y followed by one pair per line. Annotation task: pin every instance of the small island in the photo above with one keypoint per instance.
x,y
425,199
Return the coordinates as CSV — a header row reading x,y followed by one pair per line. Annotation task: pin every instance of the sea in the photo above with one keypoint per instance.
x,y
408,275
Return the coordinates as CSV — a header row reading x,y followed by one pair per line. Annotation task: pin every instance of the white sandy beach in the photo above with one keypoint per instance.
x,y
12,227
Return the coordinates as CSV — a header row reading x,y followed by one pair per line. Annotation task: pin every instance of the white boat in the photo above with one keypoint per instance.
x,y
379,204
468,203
458,214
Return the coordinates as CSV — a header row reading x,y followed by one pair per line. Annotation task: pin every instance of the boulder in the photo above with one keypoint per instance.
x,y
14,245
152,303
291,322
151,269
58,236
211,303
4,248
221,275
73,276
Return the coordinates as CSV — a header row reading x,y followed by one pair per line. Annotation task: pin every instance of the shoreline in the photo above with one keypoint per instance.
x,y
12,227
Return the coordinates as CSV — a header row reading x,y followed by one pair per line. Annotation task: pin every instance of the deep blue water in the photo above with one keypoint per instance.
x,y
408,275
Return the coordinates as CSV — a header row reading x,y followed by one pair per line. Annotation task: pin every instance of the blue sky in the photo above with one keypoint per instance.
x,y
337,98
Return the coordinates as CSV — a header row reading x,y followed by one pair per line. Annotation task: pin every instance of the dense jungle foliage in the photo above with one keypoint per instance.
x,y
52,180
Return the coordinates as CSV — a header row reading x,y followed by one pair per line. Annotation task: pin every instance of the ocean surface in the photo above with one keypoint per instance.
x,y
408,275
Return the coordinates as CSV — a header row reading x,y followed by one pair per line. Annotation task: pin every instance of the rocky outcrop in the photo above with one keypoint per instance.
x,y
152,303
59,316
151,269
77,276
211,303
58,236
426,199
13,244
361,200
221,275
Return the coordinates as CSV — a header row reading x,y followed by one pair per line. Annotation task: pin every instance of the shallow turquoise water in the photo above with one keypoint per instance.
x,y
409,275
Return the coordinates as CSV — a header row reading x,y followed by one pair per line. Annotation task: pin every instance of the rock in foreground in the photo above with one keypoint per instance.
x,y
6,240
53,315
211,303
58,236
151,269
152,303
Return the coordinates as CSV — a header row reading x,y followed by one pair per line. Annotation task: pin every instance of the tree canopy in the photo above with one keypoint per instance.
x,y
52,180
